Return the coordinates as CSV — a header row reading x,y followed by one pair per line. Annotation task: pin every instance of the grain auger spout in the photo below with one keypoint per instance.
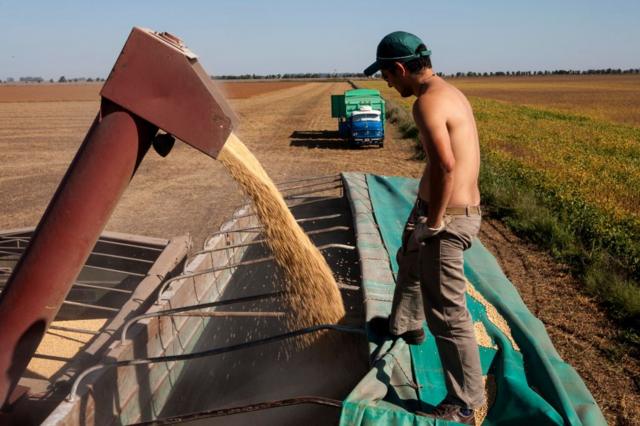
x,y
156,84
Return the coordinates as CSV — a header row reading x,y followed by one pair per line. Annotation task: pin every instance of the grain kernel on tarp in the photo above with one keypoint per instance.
x,y
482,337
489,398
495,317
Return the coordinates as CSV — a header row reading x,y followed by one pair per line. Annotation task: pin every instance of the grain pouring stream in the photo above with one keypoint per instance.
x,y
312,292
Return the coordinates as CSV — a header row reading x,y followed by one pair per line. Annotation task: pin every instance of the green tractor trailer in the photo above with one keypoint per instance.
x,y
361,115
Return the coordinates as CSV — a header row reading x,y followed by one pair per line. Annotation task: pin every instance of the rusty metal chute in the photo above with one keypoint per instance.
x,y
156,83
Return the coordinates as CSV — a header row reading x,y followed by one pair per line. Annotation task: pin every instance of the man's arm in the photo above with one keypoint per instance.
x,y
436,141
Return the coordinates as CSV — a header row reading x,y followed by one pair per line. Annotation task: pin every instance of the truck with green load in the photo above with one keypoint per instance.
x,y
361,115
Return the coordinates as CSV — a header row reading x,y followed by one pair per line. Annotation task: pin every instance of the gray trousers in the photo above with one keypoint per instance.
x,y
431,283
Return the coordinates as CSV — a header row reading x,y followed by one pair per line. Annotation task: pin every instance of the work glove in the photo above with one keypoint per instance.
x,y
424,232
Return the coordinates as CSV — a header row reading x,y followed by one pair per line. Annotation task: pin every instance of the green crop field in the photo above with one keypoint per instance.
x,y
614,98
564,173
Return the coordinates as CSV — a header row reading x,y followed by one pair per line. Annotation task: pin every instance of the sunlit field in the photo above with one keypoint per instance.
x,y
560,166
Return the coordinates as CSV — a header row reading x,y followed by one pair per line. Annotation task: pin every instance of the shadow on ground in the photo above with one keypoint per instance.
x,y
323,139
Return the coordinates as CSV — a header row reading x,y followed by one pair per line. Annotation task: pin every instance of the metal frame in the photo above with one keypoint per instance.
x,y
84,284
20,250
295,189
286,182
73,329
210,352
108,240
282,187
107,159
166,312
235,265
90,306
304,203
261,241
318,400
78,285
311,185
305,194
231,314
259,228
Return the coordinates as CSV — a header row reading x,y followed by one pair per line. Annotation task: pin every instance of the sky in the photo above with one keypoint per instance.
x,y
83,38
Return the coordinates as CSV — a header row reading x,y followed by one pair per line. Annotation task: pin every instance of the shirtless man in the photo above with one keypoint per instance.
x,y
444,220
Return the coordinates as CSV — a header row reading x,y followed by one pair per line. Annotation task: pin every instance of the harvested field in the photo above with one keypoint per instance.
x,y
39,140
291,133
583,172
248,89
91,91
49,92
613,98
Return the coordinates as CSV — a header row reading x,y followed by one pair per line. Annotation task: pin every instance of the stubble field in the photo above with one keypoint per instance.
x,y
91,91
287,125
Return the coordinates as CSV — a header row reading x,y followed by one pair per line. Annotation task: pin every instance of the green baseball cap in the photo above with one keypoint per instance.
x,y
399,46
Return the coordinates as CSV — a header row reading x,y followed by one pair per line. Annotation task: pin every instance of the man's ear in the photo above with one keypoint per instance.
x,y
400,69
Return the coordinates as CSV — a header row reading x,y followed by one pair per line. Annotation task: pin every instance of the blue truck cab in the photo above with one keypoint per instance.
x,y
361,116
366,127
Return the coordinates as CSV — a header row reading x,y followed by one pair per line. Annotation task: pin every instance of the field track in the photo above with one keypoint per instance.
x,y
291,132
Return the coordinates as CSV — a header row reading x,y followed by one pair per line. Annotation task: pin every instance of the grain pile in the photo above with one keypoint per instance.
x,y
482,337
493,315
312,292
489,399
60,346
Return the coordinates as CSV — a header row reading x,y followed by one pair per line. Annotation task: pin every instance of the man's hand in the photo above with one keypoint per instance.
x,y
424,232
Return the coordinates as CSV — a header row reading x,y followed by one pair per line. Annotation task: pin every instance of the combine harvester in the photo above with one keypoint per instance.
x,y
160,338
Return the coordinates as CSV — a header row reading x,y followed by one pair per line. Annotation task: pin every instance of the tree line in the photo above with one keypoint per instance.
x,y
286,76
63,79
454,75
546,72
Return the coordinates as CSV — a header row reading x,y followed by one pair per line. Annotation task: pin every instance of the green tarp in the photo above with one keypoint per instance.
x,y
531,384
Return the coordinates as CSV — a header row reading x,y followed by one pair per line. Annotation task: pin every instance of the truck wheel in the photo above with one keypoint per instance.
x,y
381,145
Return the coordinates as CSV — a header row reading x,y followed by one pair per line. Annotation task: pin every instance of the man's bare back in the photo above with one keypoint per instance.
x,y
450,140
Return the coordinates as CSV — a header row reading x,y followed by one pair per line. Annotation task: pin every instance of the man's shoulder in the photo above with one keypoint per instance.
x,y
441,99
433,101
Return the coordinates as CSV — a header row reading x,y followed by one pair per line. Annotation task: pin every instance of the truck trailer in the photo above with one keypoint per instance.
x,y
361,115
